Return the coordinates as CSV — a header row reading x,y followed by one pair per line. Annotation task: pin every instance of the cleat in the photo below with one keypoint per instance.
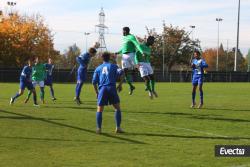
x,y
54,99
36,105
78,102
26,101
200,106
11,101
155,94
150,94
131,90
193,105
98,131
119,130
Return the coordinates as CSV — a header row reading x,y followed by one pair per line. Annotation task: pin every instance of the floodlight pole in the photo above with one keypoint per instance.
x,y
163,51
237,43
218,43
86,40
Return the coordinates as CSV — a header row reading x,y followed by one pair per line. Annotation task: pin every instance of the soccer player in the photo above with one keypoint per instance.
x,y
25,82
104,81
83,61
49,78
38,76
130,44
144,66
198,65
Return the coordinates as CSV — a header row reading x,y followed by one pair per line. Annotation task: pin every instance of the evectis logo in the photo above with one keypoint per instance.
x,y
237,151
232,151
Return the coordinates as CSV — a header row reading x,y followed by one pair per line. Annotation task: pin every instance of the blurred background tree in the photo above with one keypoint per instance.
x,y
23,36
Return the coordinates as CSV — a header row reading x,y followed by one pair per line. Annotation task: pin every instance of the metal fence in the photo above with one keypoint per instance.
x,y
65,75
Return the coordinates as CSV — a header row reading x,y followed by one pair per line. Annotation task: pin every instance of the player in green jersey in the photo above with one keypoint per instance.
x,y
38,76
129,47
144,66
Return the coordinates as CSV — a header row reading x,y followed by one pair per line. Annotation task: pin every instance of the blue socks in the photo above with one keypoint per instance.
x,y
16,96
201,96
78,89
193,97
99,120
118,118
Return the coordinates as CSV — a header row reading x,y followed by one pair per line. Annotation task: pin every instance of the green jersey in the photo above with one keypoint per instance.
x,y
146,51
38,72
130,45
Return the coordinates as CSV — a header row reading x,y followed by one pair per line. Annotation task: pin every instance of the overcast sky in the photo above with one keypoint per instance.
x,y
70,19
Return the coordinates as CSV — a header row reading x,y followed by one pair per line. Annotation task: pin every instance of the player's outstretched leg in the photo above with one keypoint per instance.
x,y
12,99
118,118
201,96
193,96
99,119
28,97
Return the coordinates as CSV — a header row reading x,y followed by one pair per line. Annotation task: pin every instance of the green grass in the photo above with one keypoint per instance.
x,y
162,132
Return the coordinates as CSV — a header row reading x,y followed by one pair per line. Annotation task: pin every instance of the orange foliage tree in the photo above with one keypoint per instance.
x,y
226,59
22,37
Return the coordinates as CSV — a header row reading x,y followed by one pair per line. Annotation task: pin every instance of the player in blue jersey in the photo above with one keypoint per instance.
x,y
26,82
83,61
104,81
49,77
198,66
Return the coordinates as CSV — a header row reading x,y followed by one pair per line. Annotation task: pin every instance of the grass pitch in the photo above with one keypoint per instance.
x,y
160,132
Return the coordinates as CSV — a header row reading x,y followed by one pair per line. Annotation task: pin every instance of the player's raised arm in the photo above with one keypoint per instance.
x,y
204,64
136,43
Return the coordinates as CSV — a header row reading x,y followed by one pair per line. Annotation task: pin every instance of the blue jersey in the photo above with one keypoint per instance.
x,y
49,70
83,60
26,74
106,75
198,69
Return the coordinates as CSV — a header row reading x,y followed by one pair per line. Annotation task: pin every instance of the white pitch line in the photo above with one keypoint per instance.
x,y
247,165
180,128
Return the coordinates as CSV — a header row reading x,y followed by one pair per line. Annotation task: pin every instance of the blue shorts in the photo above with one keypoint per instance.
x,y
197,80
81,75
48,82
108,96
26,84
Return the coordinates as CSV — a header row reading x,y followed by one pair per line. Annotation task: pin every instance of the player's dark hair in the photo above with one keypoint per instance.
x,y
106,56
151,39
28,59
92,50
126,29
197,52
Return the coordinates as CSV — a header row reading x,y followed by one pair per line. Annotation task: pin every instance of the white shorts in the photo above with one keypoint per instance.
x,y
145,69
128,61
40,83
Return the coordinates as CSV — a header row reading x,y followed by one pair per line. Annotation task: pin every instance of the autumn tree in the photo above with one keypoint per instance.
x,y
226,59
23,36
69,57
176,45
